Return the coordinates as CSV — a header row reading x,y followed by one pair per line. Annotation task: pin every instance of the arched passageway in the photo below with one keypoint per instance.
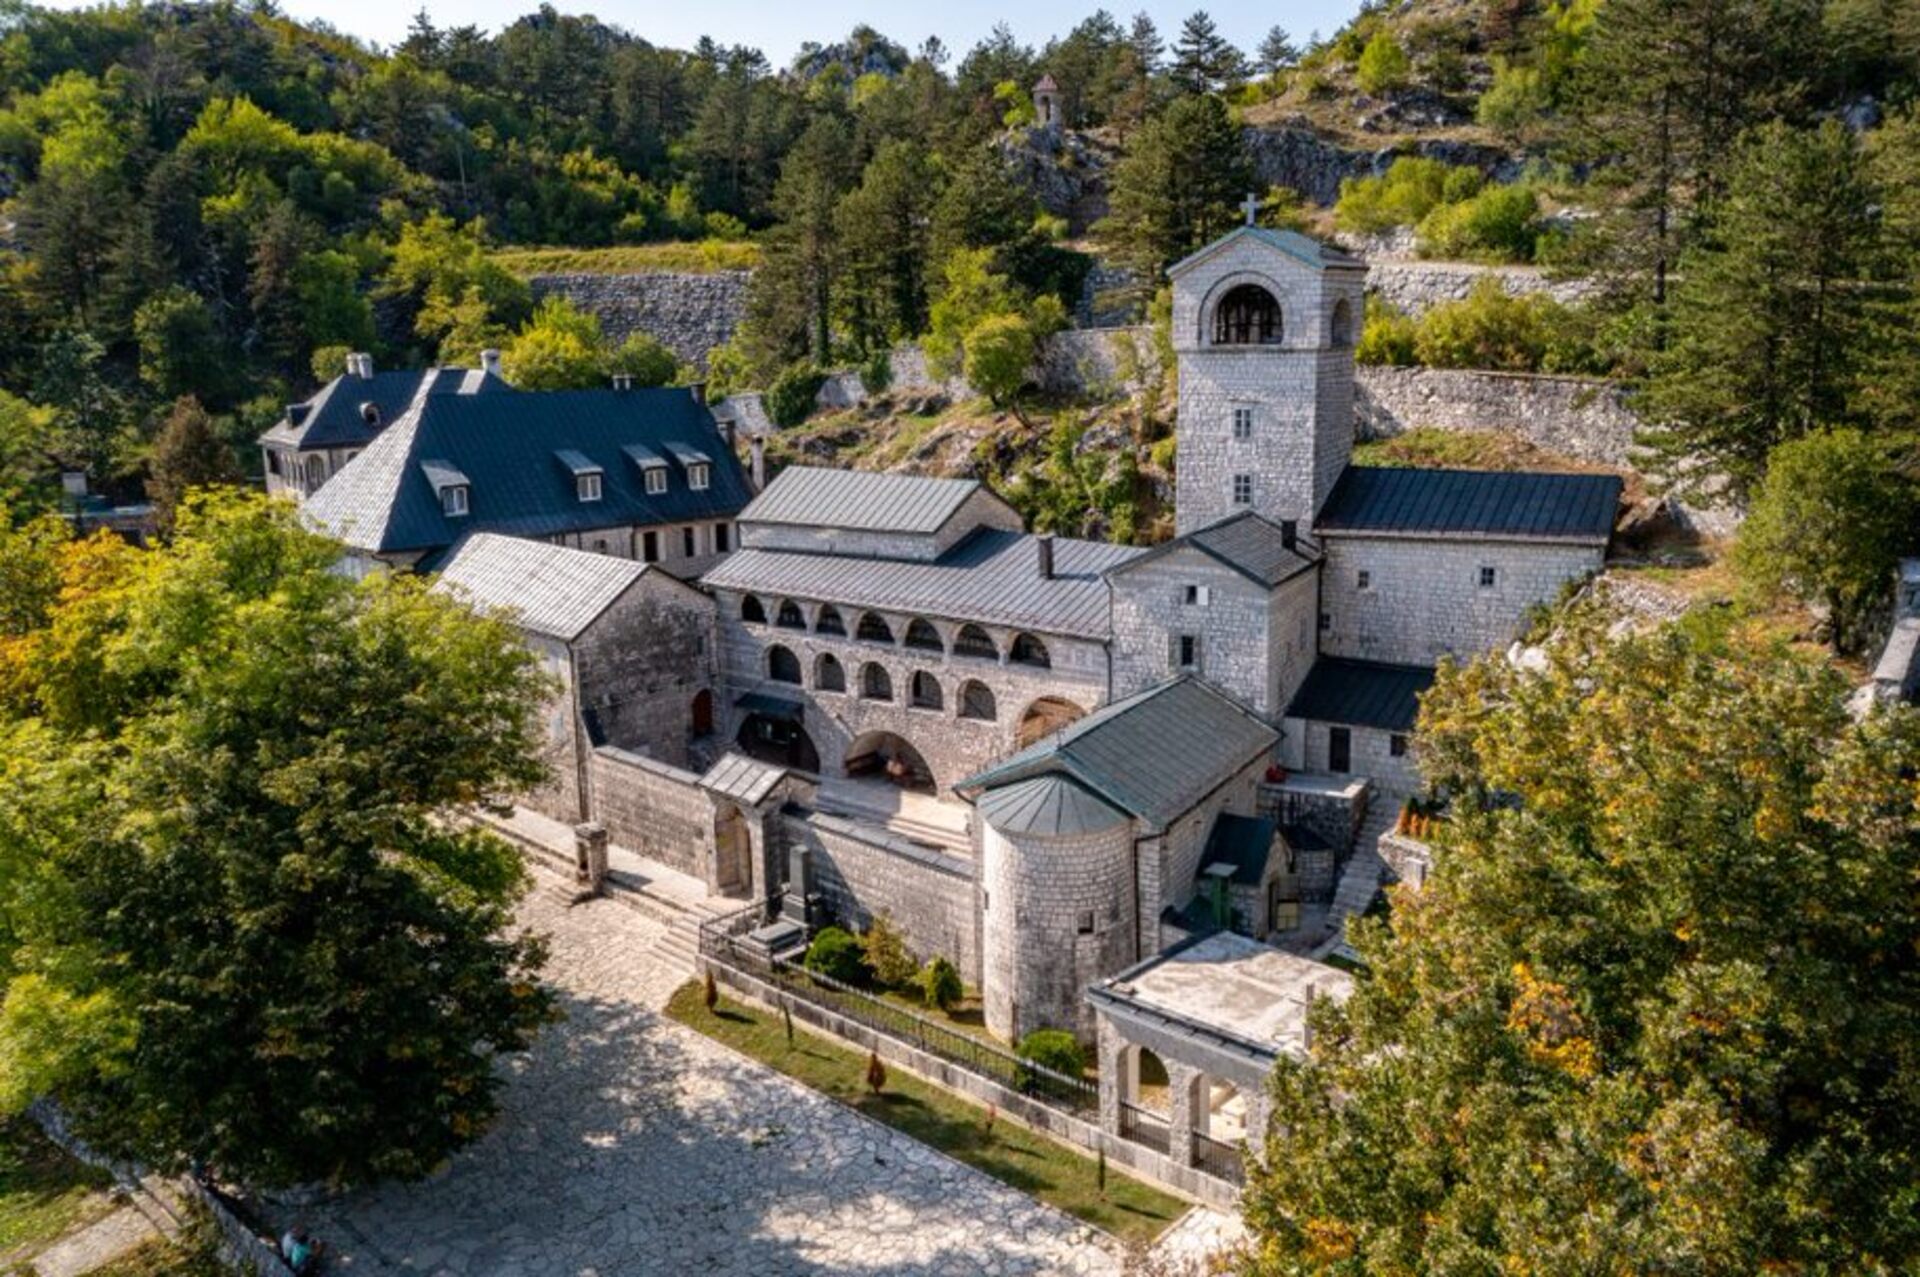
x,y
1045,717
779,741
890,757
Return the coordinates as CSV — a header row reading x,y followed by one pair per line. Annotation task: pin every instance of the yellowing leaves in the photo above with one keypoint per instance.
x,y
1542,1012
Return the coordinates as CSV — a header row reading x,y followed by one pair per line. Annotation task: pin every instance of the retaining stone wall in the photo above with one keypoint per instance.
x,y
927,893
689,313
1574,416
651,808
1417,287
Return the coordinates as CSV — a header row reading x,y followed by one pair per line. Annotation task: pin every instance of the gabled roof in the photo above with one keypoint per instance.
x,y
1303,249
548,589
1046,84
744,779
1472,503
1050,806
1361,693
859,500
1248,543
335,416
382,500
1154,755
992,576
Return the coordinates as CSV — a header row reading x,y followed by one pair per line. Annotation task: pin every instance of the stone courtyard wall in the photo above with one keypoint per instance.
x,y
651,808
861,872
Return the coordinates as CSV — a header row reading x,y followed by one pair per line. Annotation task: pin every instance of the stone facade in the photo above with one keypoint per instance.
x,y
1305,746
1417,287
860,872
1299,391
1573,416
652,808
689,314
1424,599
1170,861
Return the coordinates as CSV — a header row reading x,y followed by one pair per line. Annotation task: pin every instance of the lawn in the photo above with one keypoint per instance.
x,y
1012,1154
183,1258
43,1191
688,257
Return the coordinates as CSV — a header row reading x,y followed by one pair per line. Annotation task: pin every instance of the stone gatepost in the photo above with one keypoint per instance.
x,y
1112,1057
590,856
1181,1117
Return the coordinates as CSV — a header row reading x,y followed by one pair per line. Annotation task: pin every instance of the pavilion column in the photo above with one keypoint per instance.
x,y
1182,1119
1112,1059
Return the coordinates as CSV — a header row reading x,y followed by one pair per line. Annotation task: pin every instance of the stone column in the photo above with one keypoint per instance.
x,y
1111,1057
590,856
1259,1113
1181,1117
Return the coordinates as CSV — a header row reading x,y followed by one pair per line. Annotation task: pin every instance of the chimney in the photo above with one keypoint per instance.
x,y
1044,544
360,364
698,389
726,431
623,381
758,447
490,362
1289,533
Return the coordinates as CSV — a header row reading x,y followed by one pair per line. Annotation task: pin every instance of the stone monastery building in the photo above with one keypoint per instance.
x,y
1105,781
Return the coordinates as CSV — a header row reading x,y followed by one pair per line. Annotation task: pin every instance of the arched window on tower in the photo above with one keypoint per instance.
x,y
1340,328
1247,316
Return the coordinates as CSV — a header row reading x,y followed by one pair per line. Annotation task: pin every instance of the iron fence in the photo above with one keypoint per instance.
x,y
1144,1126
1219,1159
720,944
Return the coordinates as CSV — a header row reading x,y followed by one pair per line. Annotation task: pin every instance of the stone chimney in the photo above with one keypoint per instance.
x,y
698,389
360,364
1044,545
490,362
623,381
1289,533
758,448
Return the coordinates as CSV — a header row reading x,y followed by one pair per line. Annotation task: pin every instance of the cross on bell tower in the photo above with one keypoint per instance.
x,y
1250,206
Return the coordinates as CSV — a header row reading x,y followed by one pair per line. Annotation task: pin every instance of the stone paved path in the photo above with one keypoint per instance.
x,y
632,1145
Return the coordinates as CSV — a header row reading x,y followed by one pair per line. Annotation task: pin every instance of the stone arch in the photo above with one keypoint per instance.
x,y
1340,325
922,637
1028,650
782,665
1149,1083
828,674
974,642
1044,717
1219,1109
873,628
977,701
1247,314
779,741
875,683
924,691
892,757
788,616
829,622
752,610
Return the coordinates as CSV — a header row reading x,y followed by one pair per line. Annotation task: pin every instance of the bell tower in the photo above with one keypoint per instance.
x,y
1264,324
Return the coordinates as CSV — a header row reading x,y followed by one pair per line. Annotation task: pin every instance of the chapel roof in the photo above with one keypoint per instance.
x,y
1154,755
1302,248
1472,503
1250,544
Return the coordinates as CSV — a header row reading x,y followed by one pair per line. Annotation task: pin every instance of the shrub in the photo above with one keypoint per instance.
x,y
790,399
886,954
836,953
1383,65
1000,353
877,373
940,984
1389,337
1413,187
1514,103
647,361
1500,223
1486,329
1054,1049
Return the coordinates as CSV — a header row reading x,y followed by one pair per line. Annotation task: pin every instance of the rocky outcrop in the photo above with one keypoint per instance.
x,y
1066,171
689,314
1296,156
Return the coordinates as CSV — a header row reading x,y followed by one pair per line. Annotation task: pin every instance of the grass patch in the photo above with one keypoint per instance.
x,y
684,257
183,1258
1012,1154
1431,446
43,1191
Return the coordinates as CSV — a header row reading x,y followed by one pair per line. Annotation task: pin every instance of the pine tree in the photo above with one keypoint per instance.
x,y
1204,61
1276,51
186,455
1177,187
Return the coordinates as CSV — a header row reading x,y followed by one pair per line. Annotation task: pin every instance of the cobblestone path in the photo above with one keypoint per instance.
x,y
632,1145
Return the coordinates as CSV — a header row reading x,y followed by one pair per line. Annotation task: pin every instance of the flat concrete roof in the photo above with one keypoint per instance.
x,y
1233,985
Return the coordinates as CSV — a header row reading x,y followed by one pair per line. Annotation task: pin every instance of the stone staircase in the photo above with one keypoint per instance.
x,y
1360,880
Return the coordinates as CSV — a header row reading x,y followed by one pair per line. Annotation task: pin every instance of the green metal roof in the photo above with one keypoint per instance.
x,y
1050,806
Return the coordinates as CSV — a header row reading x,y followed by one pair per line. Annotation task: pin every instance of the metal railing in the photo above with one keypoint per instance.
x,y
1144,1126
1219,1159
720,945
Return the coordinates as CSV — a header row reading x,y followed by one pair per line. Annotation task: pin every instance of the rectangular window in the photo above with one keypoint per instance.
x,y
650,547
1243,489
720,542
1397,745
687,543
1488,576
656,481
1326,622
1339,750
1364,580
588,486
698,477
1086,923
1243,423
1198,596
453,501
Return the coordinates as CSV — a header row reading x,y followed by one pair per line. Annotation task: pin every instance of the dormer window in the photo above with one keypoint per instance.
x,y
453,501
699,465
586,472
451,486
656,481
587,486
699,477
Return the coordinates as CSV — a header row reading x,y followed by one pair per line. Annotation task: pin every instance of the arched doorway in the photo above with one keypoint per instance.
x,y
732,852
1045,717
780,741
702,714
886,756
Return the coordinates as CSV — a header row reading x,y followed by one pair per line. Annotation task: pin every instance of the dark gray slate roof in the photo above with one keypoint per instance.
x,y
1050,806
1154,755
1247,543
1302,248
746,779
505,445
334,416
859,501
1530,507
991,576
548,589
1362,693
1245,842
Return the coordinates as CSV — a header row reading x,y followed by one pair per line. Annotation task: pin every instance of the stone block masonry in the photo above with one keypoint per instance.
x,y
689,314
861,873
1575,417
651,808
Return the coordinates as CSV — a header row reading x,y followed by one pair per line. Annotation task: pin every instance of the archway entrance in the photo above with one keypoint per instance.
x,y
886,756
732,852
703,713
1045,717
779,741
